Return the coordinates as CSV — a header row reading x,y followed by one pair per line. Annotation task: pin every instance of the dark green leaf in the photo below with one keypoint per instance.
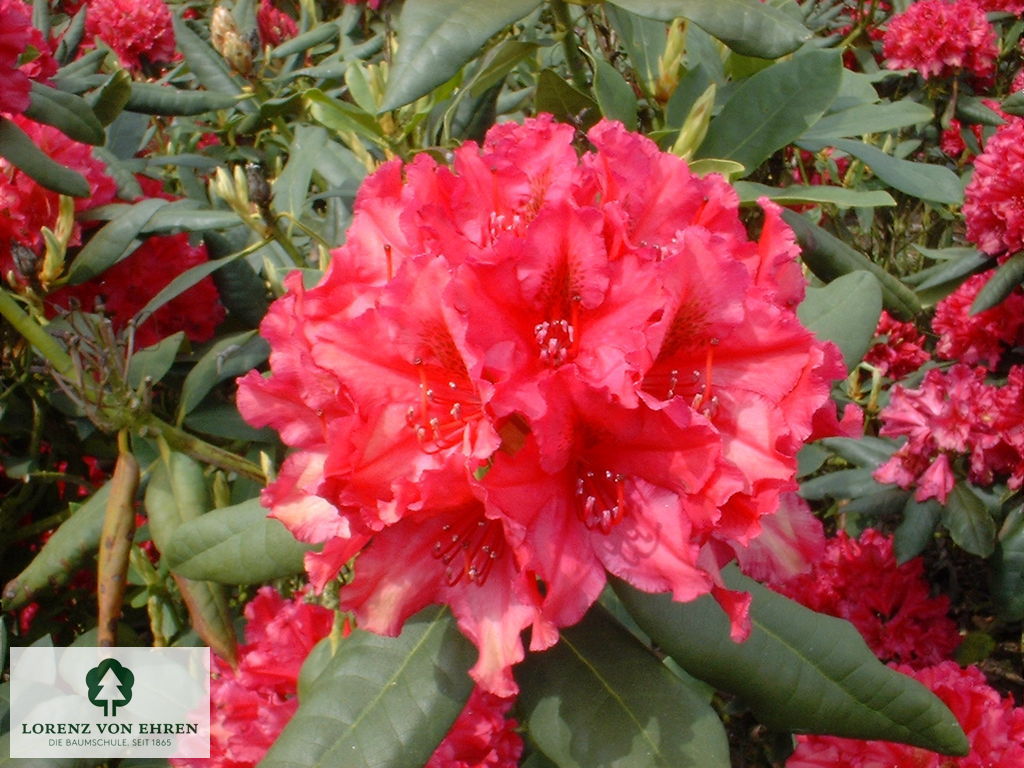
x,y
186,215
973,110
242,292
18,149
867,451
913,534
614,95
1008,567
113,242
928,182
936,282
235,545
644,41
324,33
868,118
291,187
750,191
381,702
230,356
600,698
436,37
152,99
342,116
68,113
206,64
72,38
969,521
844,484
1008,276
565,102
772,108
182,283
154,361
108,101
62,554
747,26
1014,104
798,670
224,420
828,257
846,312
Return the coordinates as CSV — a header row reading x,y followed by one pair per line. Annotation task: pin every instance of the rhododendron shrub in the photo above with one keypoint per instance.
x,y
530,369
994,726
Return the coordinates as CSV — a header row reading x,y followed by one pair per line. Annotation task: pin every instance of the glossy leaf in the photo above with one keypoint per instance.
x,y
828,257
152,99
62,554
206,64
21,152
920,519
643,39
68,113
969,521
381,702
154,361
235,545
845,312
110,99
565,102
1007,276
600,698
324,33
614,95
291,187
113,242
772,108
928,182
1008,567
869,118
936,282
844,484
750,191
436,37
869,452
798,670
747,26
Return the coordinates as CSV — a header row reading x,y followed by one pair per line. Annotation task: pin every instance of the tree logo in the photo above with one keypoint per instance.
x,y
110,685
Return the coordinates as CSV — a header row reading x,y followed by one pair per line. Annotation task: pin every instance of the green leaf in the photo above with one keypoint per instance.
x,y
166,100
868,118
844,484
206,64
750,191
614,95
798,670
62,554
565,102
111,97
938,281
846,312
973,110
291,187
324,33
229,357
113,242
928,182
772,108
68,113
747,26
644,41
436,37
969,521
342,116
381,702
21,152
1014,104
154,361
186,215
600,698
1008,568
917,529
869,452
235,545
1007,276
828,257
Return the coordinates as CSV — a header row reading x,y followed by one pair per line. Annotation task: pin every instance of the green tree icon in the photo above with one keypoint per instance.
x,y
110,685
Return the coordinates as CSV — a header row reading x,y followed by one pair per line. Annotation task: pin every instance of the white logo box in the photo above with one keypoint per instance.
x,y
110,702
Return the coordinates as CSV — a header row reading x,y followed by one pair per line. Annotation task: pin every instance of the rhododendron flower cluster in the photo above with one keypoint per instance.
x,y
531,368
952,413
275,25
253,702
889,604
139,31
901,349
26,206
24,56
940,38
994,199
125,288
981,338
994,727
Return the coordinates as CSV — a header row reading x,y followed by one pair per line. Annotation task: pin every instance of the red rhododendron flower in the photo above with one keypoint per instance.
x,y
994,727
26,207
980,338
994,198
126,287
939,38
24,56
482,736
1005,6
901,351
889,604
139,31
530,369
275,25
